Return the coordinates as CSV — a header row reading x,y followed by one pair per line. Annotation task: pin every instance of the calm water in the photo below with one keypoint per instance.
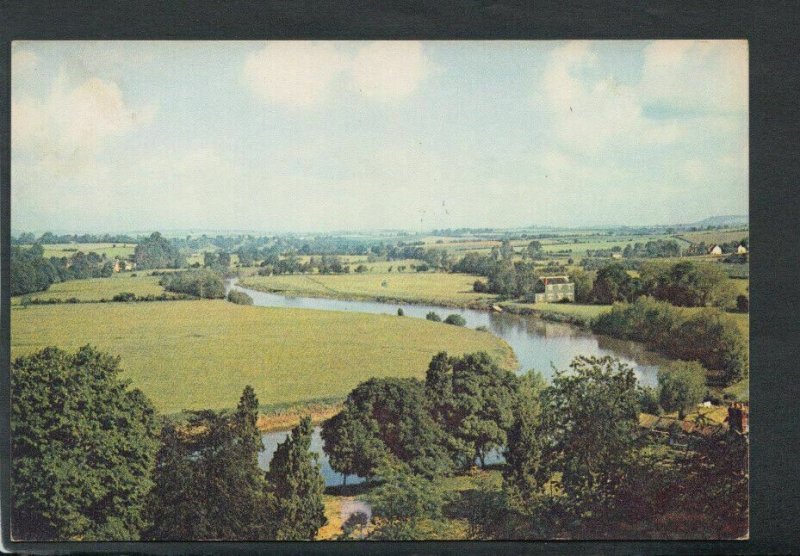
x,y
538,344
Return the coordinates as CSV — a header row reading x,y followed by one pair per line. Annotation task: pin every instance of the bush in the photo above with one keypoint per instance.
x,y
134,275
361,268
455,319
199,283
240,298
479,286
400,312
482,329
648,400
681,386
433,316
124,297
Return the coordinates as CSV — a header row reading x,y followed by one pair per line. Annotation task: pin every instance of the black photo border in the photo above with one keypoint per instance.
x,y
771,28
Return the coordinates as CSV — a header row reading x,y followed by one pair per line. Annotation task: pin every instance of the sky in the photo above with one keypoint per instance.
x,y
278,136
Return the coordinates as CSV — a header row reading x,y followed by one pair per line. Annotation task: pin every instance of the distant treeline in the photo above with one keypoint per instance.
x,y
50,238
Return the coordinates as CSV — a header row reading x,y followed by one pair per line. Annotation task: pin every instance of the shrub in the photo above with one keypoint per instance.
x,y
134,275
124,297
648,400
199,283
482,329
455,319
434,316
479,286
240,298
681,386
400,312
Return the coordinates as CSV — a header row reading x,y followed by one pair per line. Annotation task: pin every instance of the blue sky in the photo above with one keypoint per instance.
x,y
318,136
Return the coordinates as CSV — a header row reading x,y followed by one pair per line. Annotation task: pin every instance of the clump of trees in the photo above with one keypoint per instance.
x,y
687,284
32,272
157,252
433,316
239,297
201,283
707,336
83,445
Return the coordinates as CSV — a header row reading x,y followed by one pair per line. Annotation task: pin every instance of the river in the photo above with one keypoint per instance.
x,y
537,344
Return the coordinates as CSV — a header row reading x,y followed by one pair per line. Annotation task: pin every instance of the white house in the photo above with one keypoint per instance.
x,y
715,250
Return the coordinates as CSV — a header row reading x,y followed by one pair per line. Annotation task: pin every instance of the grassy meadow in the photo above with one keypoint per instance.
x,y
110,250
95,289
423,287
201,354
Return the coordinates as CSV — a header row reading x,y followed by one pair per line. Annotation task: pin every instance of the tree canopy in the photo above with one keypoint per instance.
x,y
83,448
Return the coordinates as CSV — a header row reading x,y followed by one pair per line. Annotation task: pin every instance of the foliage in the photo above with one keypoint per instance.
x,y
455,319
524,445
613,284
681,386
295,487
400,312
688,284
472,399
239,298
392,413
157,252
583,285
207,482
648,400
590,417
82,448
201,283
707,335
713,339
401,502
433,316
353,444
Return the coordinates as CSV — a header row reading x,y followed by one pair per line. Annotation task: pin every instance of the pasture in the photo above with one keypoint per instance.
x,y
413,287
201,354
110,250
95,289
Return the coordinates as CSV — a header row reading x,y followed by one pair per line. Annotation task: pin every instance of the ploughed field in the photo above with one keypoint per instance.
x,y
201,354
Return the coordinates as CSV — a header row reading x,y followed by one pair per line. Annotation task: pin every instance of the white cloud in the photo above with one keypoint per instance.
x,y
73,122
302,74
23,60
696,75
389,70
294,73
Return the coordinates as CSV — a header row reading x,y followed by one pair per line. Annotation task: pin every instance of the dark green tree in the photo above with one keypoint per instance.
x,y
682,386
401,502
523,451
157,252
590,416
83,448
295,487
353,443
613,284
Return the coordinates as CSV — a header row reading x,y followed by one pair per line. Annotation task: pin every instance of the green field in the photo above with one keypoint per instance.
x,y
572,309
95,289
201,354
423,287
110,250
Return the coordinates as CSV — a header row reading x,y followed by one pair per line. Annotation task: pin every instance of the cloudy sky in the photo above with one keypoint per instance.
x,y
319,136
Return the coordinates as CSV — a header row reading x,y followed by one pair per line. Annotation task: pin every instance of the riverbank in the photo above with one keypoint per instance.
x,y
288,416
298,287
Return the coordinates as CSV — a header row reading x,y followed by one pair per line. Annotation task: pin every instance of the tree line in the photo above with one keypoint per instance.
x,y
91,460
32,272
102,465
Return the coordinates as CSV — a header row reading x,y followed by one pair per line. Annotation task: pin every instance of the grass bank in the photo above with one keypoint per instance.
x,y
201,354
434,288
95,289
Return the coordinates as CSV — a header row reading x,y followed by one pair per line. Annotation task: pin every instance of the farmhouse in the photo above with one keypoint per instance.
x,y
552,289
715,250
122,265
741,250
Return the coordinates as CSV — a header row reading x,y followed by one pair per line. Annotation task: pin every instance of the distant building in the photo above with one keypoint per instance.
x,y
715,250
552,289
616,255
741,250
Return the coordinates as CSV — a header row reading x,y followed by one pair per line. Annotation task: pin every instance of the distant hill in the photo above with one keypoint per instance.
x,y
729,220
